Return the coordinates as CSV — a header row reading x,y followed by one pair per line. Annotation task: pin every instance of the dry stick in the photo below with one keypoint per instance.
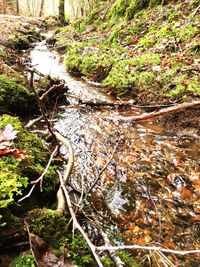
x,y
76,224
194,13
68,169
31,122
150,248
163,111
41,107
52,88
116,258
30,243
40,179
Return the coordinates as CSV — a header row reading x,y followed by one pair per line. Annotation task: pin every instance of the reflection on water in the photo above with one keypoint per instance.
x,y
48,63
151,182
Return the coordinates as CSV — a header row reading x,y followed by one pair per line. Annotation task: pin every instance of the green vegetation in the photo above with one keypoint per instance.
x,y
15,97
130,59
79,251
51,225
11,181
3,53
54,228
16,173
23,261
20,42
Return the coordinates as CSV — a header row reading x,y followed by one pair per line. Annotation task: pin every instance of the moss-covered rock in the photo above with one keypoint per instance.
x,y
20,42
51,225
15,97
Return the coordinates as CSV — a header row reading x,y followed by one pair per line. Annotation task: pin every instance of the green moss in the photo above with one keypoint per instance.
x,y
50,225
20,42
11,181
80,26
147,41
173,15
195,49
168,31
118,9
3,53
179,89
194,86
194,3
136,6
188,32
87,59
14,174
15,97
124,75
114,37
23,261
79,251
74,58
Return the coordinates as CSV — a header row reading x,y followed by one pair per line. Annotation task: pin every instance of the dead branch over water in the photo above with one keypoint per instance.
x,y
161,112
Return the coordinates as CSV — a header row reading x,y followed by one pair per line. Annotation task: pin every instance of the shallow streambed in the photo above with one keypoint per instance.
x,y
149,189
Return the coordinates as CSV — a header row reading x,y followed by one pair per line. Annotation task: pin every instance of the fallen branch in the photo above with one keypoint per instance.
x,y
42,110
51,89
113,255
194,13
30,243
149,248
76,224
146,116
40,179
32,122
68,169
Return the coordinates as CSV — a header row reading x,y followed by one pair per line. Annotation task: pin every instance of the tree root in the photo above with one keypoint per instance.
x,y
67,172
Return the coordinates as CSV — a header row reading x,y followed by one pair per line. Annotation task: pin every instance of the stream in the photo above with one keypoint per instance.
x,y
149,186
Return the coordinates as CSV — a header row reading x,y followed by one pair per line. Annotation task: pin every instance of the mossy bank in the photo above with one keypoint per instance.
x,y
147,50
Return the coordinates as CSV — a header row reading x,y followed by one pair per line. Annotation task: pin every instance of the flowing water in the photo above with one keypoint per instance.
x,y
148,184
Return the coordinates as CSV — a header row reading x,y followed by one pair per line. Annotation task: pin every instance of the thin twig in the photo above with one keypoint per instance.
x,y
40,179
194,13
116,258
52,88
31,122
150,248
30,243
76,224
41,107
